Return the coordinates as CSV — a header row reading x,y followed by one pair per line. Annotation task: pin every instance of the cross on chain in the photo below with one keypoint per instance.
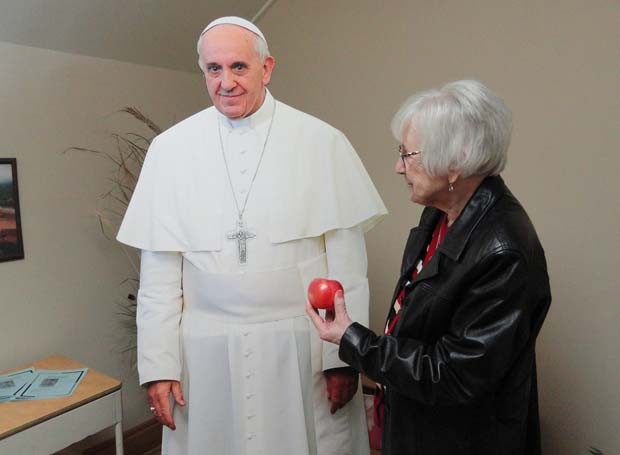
x,y
241,235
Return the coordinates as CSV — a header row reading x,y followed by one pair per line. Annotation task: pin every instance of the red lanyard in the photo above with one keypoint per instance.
x,y
438,235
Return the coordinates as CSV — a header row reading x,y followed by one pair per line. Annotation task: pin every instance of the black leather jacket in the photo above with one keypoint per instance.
x,y
459,367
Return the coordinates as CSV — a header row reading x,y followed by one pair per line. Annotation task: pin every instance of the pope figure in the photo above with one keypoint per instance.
x,y
237,209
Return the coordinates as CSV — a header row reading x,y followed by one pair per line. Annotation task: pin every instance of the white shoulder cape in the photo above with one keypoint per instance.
x,y
317,184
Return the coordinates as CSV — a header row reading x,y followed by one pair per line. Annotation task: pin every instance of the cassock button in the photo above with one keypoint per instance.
x,y
243,171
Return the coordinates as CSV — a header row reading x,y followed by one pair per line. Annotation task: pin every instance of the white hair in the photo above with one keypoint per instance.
x,y
260,45
463,126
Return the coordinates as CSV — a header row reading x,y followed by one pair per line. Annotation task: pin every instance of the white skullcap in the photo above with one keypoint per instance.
x,y
233,20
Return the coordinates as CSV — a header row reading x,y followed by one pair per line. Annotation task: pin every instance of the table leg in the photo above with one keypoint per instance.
x,y
118,427
118,437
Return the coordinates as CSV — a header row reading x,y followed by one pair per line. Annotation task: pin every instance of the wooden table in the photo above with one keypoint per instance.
x,y
45,426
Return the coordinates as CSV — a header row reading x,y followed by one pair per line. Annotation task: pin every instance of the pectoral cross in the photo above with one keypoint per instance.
x,y
241,235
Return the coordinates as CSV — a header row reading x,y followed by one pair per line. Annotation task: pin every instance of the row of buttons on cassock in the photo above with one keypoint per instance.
x,y
251,436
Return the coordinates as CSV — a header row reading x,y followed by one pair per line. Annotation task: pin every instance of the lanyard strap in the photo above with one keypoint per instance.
x,y
438,235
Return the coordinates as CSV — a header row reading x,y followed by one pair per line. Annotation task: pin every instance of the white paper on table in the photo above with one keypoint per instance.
x,y
11,384
52,384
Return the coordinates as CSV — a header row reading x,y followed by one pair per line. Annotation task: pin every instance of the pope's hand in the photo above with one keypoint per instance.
x,y
341,386
335,323
159,399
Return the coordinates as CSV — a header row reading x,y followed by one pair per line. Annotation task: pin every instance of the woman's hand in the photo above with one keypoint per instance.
x,y
335,323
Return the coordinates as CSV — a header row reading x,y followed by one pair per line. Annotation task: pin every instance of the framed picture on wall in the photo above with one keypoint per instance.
x,y
11,241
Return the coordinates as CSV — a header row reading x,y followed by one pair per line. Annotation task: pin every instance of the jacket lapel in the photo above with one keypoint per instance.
x,y
416,243
456,239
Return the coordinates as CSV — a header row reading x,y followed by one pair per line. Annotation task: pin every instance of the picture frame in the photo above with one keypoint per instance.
x,y
11,239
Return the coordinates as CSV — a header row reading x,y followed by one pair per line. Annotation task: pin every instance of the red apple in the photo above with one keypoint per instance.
x,y
321,292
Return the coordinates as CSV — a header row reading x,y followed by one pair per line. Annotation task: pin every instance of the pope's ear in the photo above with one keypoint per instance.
x,y
268,66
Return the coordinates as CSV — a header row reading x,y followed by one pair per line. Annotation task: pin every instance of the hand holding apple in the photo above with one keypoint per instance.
x,y
336,320
321,292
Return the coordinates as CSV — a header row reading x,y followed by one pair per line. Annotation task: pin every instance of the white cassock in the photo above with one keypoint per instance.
x,y
234,334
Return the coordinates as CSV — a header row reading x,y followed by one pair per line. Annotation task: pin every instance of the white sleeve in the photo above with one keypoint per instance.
x,y
160,303
347,262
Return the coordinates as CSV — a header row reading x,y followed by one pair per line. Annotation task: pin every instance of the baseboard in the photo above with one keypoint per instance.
x,y
142,439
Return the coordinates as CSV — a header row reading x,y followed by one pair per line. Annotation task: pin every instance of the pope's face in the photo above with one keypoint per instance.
x,y
235,76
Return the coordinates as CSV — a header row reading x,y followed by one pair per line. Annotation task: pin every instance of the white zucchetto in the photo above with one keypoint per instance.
x,y
233,20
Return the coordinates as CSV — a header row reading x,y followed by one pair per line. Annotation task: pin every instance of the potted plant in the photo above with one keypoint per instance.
x,y
127,157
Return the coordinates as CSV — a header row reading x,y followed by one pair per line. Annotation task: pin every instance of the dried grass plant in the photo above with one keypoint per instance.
x,y
127,158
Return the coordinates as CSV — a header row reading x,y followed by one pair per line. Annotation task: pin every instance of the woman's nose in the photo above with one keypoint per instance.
x,y
400,166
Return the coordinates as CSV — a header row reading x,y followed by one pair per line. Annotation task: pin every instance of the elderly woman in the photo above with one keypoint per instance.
x,y
457,357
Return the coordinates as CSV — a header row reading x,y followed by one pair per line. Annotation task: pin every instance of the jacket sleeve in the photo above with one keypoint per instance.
x,y
489,328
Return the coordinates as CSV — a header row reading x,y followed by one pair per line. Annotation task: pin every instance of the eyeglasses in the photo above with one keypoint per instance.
x,y
403,153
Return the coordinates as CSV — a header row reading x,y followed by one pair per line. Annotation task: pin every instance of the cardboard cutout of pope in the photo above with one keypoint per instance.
x,y
237,209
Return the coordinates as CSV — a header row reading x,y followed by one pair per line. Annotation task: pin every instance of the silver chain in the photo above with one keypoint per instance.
x,y
241,210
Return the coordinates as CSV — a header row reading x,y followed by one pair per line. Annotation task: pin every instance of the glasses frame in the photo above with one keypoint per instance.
x,y
403,153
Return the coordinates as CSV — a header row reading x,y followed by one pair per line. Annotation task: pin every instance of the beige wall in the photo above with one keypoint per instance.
x,y
62,297
557,65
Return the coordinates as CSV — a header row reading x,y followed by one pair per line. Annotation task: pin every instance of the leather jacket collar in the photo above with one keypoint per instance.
x,y
485,196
